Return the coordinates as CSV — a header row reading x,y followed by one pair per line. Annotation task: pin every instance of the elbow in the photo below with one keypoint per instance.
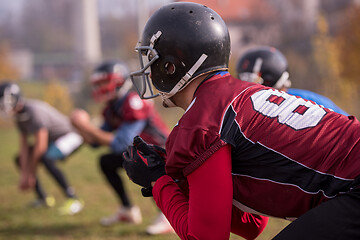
x,y
259,226
250,226
262,222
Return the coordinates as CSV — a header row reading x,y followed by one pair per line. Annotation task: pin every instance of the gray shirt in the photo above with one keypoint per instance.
x,y
38,114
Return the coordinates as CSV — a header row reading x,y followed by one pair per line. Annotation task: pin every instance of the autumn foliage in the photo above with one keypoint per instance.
x,y
337,59
57,95
7,70
348,40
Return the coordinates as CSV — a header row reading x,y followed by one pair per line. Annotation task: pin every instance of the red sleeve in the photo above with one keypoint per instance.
x,y
207,215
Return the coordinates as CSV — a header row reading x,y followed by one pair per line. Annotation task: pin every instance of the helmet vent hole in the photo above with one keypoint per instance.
x,y
169,68
190,11
212,18
172,8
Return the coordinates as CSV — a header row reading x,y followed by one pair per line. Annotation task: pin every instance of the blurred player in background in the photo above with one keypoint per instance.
x,y
46,136
125,116
269,67
241,150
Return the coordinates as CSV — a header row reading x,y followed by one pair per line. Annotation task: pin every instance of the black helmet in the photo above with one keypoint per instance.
x,y
107,79
180,41
264,65
10,96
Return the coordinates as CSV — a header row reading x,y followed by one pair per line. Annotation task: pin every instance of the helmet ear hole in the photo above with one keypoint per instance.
x,y
169,68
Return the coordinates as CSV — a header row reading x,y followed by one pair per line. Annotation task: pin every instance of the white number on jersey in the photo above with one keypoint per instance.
x,y
292,111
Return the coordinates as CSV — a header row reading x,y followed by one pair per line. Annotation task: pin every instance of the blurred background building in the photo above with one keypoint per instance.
x,y
63,40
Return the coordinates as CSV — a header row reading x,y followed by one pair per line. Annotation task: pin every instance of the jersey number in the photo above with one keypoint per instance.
x,y
292,111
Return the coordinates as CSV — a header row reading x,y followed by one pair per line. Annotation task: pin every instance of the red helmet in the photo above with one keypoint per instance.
x,y
107,80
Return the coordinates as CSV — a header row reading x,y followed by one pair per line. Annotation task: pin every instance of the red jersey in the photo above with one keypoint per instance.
x,y
131,108
288,154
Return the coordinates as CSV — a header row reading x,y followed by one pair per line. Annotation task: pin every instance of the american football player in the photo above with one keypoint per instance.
x,y
241,151
125,115
46,136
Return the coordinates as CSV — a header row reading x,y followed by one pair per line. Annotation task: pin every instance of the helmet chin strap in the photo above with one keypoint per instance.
x,y
167,102
184,81
283,81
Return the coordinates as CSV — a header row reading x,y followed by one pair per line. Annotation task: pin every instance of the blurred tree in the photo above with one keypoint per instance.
x,y
348,40
326,53
58,96
118,37
7,70
300,69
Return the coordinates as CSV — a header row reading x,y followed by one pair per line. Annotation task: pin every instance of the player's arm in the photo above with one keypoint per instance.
x,y
29,161
24,151
80,119
94,135
23,161
208,211
210,200
87,137
40,146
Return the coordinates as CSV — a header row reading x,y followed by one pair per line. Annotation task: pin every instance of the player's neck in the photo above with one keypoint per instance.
x,y
183,98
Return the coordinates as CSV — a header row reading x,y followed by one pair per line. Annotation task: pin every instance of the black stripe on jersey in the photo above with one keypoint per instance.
x,y
257,161
229,128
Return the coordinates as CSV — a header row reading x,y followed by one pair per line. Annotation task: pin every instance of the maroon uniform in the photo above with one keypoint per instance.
x,y
288,154
242,148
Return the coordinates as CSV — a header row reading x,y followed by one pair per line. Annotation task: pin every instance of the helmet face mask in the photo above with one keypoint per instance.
x,y
180,41
10,97
107,79
140,78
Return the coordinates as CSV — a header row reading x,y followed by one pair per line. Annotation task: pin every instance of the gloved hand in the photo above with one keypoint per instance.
x,y
144,163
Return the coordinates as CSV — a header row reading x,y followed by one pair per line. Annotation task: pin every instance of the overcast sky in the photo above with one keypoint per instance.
x,y
121,7
116,8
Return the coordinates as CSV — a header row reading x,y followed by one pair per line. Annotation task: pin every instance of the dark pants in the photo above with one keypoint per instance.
x,y
110,165
54,172
337,219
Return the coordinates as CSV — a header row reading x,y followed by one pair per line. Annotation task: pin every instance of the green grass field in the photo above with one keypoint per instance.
x,y
19,222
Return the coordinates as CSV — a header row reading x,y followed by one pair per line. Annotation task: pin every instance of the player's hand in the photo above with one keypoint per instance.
x,y
23,183
27,182
144,163
79,117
